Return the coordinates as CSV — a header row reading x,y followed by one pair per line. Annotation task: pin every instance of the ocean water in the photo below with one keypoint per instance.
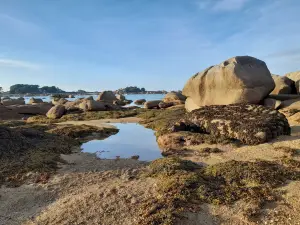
x,y
132,97
132,139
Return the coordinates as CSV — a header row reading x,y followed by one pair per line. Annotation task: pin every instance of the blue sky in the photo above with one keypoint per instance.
x,y
156,44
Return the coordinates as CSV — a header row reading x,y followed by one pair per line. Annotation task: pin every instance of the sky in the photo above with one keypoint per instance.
x,y
100,45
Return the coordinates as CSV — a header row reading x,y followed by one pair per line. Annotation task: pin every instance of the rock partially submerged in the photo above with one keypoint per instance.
x,y
251,124
140,101
152,104
35,100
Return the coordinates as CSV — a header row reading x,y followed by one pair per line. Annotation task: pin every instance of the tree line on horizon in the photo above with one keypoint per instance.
x,y
33,89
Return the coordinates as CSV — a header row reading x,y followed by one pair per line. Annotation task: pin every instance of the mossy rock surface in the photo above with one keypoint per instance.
x,y
251,124
184,184
30,147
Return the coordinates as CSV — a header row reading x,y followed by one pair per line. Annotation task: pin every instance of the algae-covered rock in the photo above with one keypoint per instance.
x,y
251,124
56,112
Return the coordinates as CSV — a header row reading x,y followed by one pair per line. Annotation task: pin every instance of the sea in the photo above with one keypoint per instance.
x,y
133,97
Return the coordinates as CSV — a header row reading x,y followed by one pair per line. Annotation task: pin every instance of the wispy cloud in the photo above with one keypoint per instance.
x,y
285,53
21,26
222,5
18,64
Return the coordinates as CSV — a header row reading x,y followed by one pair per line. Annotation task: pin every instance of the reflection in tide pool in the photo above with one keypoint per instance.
x,y
132,139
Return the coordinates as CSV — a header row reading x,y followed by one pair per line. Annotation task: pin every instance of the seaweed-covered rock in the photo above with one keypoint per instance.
x,y
56,112
241,79
251,124
11,142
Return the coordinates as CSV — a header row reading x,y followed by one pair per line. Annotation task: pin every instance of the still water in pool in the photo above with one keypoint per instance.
x,y
132,140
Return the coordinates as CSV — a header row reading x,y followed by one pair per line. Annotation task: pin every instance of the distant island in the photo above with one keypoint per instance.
x,y
33,89
136,90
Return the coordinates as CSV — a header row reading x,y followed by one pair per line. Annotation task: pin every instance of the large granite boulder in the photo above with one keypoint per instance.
x,y
35,100
283,85
152,104
56,112
251,124
107,96
242,79
174,97
295,76
91,105
73,106
7,102
37,109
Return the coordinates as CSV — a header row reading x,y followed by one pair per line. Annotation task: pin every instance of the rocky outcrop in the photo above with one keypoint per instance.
x,y
174,97
35,100
120,97
107,96
7,102
73,106
242,79
164,105
283,97
60,101
283,85
272,103
291,104
295,76
56,112
152,104
38,109
140,101
251,124
91,105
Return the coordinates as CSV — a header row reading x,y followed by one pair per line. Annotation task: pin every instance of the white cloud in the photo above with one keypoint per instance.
x,y
18,64
222,5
